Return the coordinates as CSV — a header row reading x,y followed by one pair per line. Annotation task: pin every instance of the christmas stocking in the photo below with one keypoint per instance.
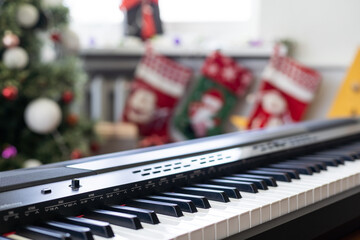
x,y
158,84
212,99
285,92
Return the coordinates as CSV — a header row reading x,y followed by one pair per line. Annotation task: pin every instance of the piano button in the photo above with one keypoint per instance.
x,y
327,161
270,181
292,173
169,209
116,218
145,215
184,204
97,227
313,166
40,233
210,194
199,201
260,184
241,186
232,192
76,232
300,168
278,176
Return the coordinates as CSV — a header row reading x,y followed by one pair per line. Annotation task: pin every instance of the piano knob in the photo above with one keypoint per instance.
x,y
75,184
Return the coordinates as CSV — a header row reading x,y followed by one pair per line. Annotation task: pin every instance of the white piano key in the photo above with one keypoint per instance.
x,y
17,237
116,237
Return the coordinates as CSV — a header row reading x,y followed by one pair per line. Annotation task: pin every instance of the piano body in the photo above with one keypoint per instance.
x,y
300,181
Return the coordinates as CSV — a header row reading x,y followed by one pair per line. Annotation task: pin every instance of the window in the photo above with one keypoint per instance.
x,y
206,10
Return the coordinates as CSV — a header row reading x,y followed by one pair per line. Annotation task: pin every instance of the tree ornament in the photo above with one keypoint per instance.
x,y
70,40
72,119
55,37
94,147
27,15
15,58
43,115
48,53
67,96
9,152
10,93
10,40
31,163
51,3
76,153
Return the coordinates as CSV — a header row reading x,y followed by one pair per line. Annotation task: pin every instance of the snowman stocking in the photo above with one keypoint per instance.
x,y
286,90
158,84
212,99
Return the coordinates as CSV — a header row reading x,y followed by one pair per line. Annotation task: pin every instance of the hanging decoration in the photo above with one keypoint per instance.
x,y
142,18
286,90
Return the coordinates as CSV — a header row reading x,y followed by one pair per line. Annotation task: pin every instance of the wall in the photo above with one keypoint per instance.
x,y
327,32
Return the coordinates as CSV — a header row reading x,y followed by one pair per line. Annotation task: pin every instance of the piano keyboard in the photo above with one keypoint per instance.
x,y
215,207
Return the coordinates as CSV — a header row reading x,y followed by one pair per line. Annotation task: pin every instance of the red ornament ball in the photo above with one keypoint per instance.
x,y
94,147
72,119
10,93
76,154
67,96
55,37
10,40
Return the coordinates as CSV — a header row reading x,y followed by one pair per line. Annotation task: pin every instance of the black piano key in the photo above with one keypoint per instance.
x,y
211,194
41,233
116,218
241,186
97,227
340,155
312,166
292,173
169,209
232,192
270,181
199,201
321,165
184,204
284,177
301,169
327,160
260,184
145,215
76,232
348,152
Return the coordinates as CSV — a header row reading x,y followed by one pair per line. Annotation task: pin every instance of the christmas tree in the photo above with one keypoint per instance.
x,y
40,76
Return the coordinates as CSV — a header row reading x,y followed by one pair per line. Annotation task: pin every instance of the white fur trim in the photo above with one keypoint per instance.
x,y
158,81
286,84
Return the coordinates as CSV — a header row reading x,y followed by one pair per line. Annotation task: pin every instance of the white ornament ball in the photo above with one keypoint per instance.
x,y
51,3
70,40
48,54
31,163
15,58
27,15
43,115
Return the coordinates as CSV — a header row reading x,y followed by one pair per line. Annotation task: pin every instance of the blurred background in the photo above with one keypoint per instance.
x,y
80,78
